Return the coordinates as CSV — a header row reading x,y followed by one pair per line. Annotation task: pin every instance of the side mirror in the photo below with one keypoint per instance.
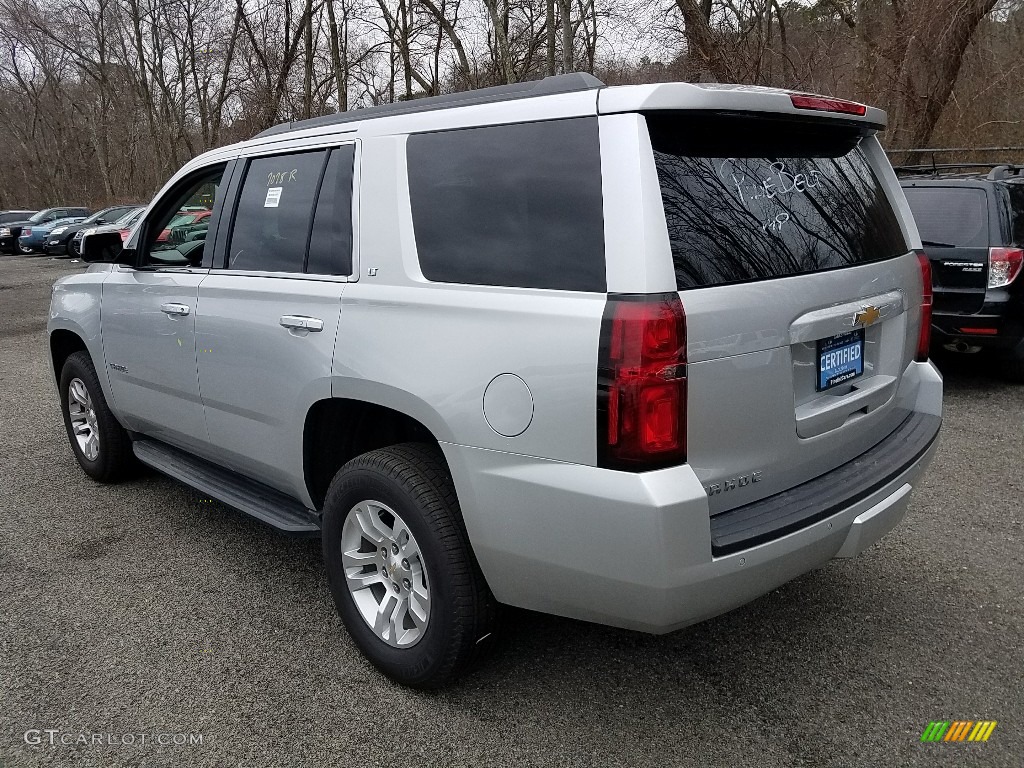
x,y
105,247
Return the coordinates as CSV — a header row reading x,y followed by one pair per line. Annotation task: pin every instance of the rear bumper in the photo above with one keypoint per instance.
x,y
998,325
636,550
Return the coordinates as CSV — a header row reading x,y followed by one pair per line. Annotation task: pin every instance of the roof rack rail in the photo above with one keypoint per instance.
x,y
998,170
1005,171
926,150
568,83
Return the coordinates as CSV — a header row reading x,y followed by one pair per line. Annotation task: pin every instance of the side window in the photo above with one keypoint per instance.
x,y
330,243
1016,192
176,232
274,211
514,205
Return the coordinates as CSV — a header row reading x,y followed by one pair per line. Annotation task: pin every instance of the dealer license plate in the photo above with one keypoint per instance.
x,y
840,358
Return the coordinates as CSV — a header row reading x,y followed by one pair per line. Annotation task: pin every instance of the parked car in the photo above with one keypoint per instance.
x,y
185,218
122,226
33,238
60,237
9,217
11,231
972,227
633,355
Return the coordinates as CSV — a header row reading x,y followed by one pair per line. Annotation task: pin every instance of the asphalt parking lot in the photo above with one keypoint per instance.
x,y
144,609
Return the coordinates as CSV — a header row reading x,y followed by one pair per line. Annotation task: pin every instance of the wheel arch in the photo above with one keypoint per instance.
x,y
337,429
63,344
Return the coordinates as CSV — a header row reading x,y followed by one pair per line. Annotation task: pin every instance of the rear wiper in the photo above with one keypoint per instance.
x,y
933,244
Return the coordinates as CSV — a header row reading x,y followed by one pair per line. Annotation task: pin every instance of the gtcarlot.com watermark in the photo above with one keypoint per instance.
x,y
55,737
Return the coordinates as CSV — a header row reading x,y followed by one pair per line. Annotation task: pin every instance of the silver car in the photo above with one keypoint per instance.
x,y
633,355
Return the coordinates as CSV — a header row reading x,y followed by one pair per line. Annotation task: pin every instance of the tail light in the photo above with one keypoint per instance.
x,y
26,231
641,383
924,335
124,235
1003,265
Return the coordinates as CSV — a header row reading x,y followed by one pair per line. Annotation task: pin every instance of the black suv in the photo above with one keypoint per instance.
x,y
972,228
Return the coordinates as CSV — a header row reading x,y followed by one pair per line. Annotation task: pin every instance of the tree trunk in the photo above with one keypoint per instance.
x,y
549,21
702,47
929,70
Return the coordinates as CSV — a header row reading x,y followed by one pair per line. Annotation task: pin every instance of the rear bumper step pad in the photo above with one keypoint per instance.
x,y
807,503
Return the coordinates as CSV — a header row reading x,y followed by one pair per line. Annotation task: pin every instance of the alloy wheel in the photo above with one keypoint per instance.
x,y
385,573
83,419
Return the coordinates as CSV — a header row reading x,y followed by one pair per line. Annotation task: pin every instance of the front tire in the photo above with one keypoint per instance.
x,y
100,444
400,567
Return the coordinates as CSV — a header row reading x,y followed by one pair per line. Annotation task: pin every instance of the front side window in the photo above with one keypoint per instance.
x,y
511,205
272,219
166,242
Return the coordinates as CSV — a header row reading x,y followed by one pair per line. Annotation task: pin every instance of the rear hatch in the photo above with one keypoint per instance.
x,y
954,226
802,297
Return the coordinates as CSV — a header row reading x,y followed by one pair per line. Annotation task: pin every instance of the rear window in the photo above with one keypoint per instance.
x,y
955,217
512,205
747,198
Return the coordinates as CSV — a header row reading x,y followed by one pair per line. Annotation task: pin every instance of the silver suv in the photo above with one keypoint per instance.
x,y
632,355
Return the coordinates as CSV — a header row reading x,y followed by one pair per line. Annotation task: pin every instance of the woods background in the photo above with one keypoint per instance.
x,y
102,100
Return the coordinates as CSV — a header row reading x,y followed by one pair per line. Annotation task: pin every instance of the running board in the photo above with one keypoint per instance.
x,y
260,501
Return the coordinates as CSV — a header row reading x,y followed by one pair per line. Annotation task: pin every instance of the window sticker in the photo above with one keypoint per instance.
x,y
273,197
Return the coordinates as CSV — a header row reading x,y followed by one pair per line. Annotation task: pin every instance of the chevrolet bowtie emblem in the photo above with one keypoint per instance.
x,y
866,316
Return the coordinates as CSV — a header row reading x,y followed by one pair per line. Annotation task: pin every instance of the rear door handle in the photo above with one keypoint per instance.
x,y
300,322
175,309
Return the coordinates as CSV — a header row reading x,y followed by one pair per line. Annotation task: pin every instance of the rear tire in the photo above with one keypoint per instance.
x,y
400,567
100,444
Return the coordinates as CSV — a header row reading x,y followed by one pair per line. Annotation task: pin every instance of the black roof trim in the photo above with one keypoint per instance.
x,y
998,172
575,81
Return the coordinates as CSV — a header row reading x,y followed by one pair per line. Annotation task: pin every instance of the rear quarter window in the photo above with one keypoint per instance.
x,y
950,216
1016,194
748,198
510,205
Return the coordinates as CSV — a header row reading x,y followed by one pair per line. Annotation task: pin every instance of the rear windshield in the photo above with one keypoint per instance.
x,y
752,199
952,217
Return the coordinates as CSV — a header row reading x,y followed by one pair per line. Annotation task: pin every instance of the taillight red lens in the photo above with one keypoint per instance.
x,y
1003,266
641,382
824,104
26,231
924,335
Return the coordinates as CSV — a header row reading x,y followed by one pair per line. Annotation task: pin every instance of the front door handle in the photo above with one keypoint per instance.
x,y
175,309
303,323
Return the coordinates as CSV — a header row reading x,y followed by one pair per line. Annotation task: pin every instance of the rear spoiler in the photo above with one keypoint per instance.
x,y
735,98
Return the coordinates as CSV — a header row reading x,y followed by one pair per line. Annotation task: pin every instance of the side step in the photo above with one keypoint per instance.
x,y
260,501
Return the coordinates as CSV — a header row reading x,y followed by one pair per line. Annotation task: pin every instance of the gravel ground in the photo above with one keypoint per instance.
x,y
145,609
